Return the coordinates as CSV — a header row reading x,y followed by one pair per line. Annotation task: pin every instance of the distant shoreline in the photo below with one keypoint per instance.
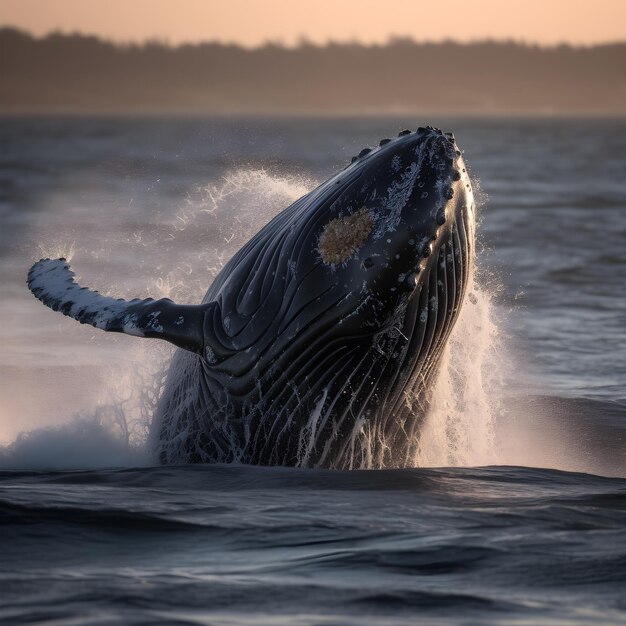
x,y
81,75
303,42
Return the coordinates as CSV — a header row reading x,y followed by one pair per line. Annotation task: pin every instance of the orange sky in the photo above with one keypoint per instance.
x,y
251,22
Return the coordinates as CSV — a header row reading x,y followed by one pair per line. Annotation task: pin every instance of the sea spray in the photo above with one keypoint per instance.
x,y
460,428
224,216
460,425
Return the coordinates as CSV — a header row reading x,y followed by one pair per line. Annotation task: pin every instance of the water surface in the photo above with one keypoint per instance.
x,y
92,533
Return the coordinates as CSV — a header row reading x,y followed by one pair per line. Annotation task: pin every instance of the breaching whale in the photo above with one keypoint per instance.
x,y
317,343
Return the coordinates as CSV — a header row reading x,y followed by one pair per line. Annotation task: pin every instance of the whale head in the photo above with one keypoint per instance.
x,y
405,206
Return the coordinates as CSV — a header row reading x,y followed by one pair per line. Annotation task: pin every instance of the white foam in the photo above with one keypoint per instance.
x,y
466,400
85,442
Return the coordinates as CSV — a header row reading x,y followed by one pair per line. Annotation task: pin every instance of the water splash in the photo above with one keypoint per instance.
x,y
86,442
212,224
460,426
218,218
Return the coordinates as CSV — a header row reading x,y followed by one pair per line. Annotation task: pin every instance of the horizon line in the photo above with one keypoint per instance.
x,y
304,42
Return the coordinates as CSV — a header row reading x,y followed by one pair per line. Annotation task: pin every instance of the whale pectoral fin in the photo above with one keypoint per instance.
x,y
52,282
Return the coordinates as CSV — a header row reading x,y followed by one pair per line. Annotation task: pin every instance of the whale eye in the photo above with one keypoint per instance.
x,y
367,263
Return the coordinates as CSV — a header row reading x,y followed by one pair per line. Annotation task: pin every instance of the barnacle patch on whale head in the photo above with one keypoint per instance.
x,y
343,236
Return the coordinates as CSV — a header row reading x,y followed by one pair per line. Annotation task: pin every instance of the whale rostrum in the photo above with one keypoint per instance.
x,y
318,342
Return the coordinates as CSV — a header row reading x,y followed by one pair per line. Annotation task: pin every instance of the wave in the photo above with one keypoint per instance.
x,y
211,498
251,545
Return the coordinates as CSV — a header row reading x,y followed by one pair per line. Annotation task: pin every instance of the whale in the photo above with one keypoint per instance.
x,y
318,343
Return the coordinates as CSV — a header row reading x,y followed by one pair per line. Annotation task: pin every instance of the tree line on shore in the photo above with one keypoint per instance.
x,y
82,74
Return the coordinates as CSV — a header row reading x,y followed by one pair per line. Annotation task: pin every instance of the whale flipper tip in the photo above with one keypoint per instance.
x,y
52,282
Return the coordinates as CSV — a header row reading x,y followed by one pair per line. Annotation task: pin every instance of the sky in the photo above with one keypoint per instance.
x,y
253,22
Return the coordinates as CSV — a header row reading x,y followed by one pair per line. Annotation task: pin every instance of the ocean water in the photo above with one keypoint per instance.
x,y
516,513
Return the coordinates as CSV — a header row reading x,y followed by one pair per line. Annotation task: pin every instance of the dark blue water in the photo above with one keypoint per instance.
x,y
93,533
243,545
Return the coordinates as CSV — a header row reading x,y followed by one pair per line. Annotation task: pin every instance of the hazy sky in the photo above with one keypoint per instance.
x,y
251,22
